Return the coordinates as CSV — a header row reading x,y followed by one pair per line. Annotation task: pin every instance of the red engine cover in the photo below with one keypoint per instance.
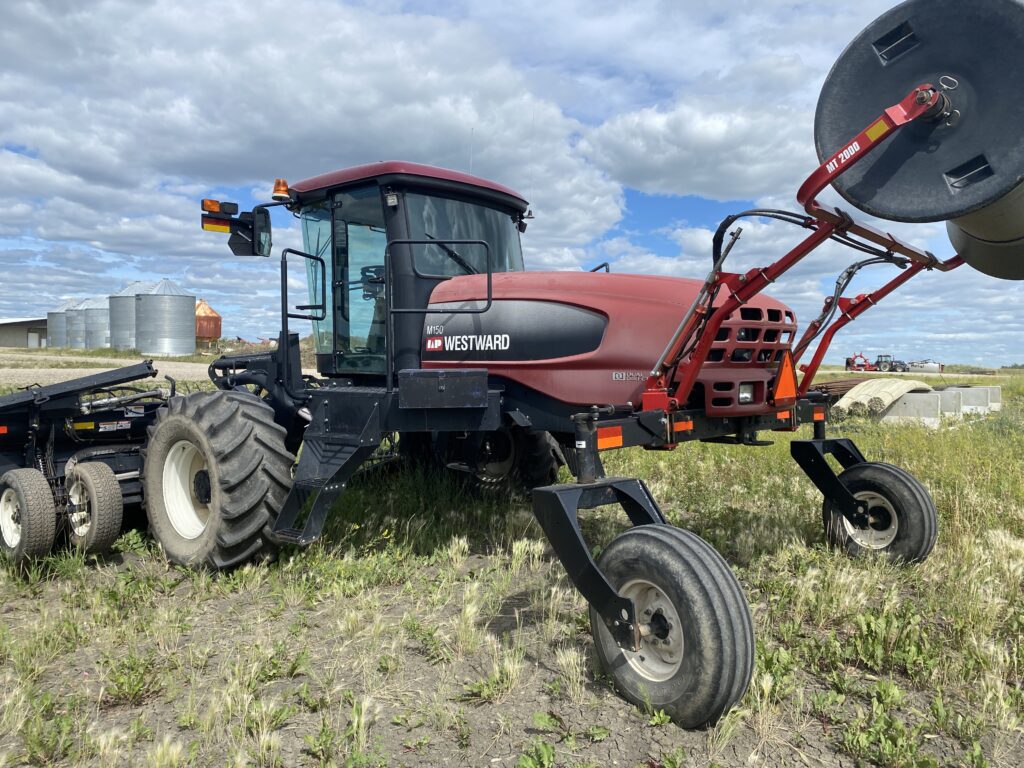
x,y
591,338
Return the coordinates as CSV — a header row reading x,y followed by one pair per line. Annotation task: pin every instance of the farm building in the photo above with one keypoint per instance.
x,y
23,332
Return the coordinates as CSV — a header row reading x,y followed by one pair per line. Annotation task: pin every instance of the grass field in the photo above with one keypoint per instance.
x,y
430,627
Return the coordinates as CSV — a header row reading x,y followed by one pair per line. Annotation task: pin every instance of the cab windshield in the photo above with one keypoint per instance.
x,y
445,219
347,230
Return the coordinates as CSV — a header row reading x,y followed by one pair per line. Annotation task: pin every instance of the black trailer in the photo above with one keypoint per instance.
x,y
70,459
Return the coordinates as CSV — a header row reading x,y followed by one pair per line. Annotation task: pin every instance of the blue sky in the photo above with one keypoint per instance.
x,y
631,128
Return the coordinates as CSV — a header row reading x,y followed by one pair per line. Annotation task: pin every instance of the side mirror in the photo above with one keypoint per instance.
x,y
251,234
262,243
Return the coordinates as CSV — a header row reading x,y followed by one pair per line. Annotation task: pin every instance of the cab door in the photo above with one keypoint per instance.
x,y
347,231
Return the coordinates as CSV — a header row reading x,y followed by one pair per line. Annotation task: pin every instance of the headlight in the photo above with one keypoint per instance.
x,y
746,394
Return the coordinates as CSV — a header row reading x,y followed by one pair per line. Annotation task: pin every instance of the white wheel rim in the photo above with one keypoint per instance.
x,y
187,514
10,518
80,515
661,646
883,523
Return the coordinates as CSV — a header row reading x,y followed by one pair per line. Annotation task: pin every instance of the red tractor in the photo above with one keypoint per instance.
x,y
883,363
427,327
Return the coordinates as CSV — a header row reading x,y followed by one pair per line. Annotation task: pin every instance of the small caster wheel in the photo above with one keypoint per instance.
x,y
95,507
28,518
903,523
696,654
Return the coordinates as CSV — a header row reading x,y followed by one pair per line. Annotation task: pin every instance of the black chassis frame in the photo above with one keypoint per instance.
x,y
45,428
340,424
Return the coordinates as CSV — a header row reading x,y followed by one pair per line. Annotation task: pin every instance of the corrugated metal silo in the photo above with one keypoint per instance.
x,y
76,326
97,322
122,314
208,325
57,325
165,321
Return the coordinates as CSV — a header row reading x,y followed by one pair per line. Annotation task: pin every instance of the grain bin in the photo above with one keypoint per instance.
x,y
76,326
122,314
208,325
57,325
165,321
96,313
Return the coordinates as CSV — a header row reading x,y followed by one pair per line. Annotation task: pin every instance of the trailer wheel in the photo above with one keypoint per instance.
x,y
95,507
903,521
215,475
697,655
28,517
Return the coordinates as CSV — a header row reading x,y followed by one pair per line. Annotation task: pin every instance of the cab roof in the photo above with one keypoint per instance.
x,y
400,170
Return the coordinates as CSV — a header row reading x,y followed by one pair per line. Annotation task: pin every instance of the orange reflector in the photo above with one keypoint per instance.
x,y
819,414
3,430
785,383
682,426
782,415
211,206
280,190
211,224
609,437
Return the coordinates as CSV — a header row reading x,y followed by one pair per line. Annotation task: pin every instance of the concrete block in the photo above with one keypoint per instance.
x,y
951,403
975,399
915,408
995,398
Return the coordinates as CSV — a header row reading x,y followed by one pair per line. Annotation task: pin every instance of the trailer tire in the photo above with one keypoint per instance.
x,y
905,527
215,475
28,517
95,507
705,658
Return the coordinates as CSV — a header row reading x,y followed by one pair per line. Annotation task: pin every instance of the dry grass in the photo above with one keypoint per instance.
x,y
430,625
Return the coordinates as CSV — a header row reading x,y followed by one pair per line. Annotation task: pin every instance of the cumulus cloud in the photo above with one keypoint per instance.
x,y
115,118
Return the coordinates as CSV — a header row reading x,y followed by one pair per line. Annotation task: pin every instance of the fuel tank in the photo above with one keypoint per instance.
x,y
591,338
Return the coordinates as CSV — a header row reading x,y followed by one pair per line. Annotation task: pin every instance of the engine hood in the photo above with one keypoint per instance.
x,y
584,337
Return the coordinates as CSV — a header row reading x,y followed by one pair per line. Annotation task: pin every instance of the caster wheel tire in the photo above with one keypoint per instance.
x,y
95,507
697,656
215,475
903,521
28,517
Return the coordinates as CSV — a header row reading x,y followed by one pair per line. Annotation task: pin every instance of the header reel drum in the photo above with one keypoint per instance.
x,y
965,163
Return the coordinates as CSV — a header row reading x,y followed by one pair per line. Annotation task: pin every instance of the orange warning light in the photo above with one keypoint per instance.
x,y
280,192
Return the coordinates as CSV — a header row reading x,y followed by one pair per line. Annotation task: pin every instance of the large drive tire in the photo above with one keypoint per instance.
x,y
28,518
698,661
513,457
95,507
904,523
884,366
215,476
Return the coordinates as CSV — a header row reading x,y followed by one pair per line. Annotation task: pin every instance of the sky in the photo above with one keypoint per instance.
x,y
632,129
